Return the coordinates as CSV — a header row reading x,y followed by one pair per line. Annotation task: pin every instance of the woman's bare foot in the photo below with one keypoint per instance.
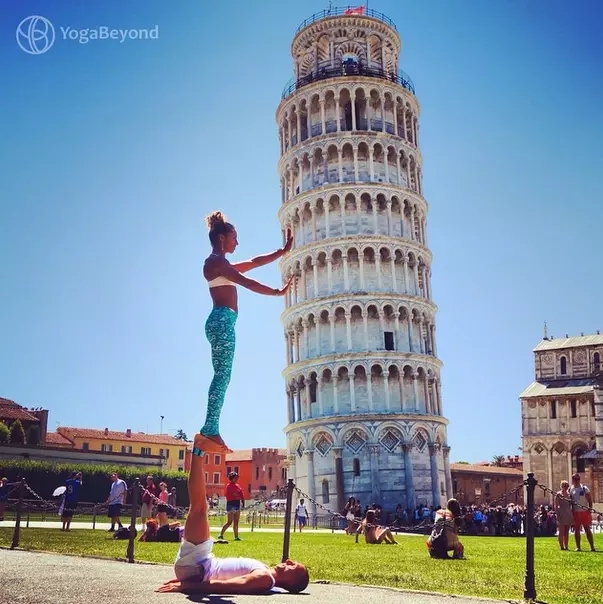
x,y
206,444
211,443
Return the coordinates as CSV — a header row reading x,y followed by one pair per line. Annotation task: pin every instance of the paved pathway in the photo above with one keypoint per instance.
x,y
38,578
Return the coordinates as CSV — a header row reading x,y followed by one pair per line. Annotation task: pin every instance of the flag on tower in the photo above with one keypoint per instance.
x,y
359,10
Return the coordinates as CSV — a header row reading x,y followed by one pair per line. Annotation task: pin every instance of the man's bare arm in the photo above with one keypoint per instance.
x,y
253,583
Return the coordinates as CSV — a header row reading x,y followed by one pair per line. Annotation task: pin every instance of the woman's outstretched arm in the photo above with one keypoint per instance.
x,y
247,265
232,274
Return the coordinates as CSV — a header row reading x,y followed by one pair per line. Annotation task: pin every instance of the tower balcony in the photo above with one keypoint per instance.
x,y
347,69
345,12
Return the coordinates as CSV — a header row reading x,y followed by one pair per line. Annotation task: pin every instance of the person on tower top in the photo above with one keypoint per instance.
x,y
197,570
223,277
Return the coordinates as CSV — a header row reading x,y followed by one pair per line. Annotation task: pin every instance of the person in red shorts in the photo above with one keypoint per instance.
x,y
582,503
235,501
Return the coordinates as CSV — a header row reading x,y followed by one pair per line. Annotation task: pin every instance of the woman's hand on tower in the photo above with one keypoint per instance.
x,y
283,290
288,244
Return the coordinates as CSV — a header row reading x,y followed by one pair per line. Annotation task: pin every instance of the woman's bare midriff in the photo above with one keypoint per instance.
x,y
225,295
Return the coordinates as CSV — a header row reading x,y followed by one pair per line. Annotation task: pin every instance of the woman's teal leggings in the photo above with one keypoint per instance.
x,y
220,331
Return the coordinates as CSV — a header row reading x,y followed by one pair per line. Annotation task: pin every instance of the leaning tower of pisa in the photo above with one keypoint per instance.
x,y
362,376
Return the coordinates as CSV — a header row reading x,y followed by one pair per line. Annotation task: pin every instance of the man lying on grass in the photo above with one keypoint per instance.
x,y
199,571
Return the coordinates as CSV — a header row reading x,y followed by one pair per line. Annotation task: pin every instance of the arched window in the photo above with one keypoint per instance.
x,y
563,364
356,465
325,491
597,361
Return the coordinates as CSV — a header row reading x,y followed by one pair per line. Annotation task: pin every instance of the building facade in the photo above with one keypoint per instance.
x,y
562,413
262,471
139,444
362,377
474,484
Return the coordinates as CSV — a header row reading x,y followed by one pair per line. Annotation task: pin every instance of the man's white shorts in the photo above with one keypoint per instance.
x,y
190,559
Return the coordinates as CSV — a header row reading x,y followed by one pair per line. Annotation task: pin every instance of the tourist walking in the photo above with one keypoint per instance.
x,y
235,501
70,499
223,277
301,513
117,497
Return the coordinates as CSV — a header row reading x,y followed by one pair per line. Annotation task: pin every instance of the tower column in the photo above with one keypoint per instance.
x,y
406,282
408,476
369,388
346,276
397,328
323,119
335,380
393,266
311,484
361,269
348,326
320,395
352,379
374,460
435,482
448,477
339,483
305,326
386,386
414,390
332,325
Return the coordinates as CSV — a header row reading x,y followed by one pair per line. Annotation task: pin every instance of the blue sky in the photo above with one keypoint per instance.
x,y
113,153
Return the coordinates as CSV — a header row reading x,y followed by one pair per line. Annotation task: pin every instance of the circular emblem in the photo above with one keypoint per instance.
x,y
35,35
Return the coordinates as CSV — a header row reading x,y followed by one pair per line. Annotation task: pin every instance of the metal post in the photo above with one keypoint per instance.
x,y
94,517
15,542
529,591
289,505
130,551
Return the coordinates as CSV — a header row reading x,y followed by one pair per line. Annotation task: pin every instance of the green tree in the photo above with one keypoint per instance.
x,y
498,461
17,433
181,435
4,433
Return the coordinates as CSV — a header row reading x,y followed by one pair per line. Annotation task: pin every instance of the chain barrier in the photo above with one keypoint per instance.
x,y
423,525
557,495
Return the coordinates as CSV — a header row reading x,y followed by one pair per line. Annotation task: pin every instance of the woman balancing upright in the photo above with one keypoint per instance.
x,y
223,277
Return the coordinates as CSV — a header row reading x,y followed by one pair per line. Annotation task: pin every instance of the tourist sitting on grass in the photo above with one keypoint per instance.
x,y
444,536
199,571
373,533
171,532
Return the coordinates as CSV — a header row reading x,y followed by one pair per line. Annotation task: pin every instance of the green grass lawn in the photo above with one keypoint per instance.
x,y
494,567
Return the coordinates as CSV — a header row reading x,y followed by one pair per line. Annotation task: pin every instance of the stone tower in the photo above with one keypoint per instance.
x,y
362,376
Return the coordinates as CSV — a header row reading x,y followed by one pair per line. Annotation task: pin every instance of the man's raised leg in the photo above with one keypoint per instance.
x,y
196,527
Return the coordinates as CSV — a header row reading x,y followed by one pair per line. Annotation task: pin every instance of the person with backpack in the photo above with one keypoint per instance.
x,y
445,533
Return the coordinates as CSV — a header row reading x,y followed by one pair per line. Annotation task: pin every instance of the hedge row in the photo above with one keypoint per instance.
x,y
45,476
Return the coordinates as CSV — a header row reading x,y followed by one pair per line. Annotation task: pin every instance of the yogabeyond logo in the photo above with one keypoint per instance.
x,y
36,35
